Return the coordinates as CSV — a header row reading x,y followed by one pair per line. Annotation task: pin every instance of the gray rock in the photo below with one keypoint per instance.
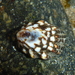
x,y
13,61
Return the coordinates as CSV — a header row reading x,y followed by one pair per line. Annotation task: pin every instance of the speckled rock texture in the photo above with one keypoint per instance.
x,y
69,6
14,62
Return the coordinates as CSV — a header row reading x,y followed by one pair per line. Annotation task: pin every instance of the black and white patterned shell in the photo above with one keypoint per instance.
x,y
40,40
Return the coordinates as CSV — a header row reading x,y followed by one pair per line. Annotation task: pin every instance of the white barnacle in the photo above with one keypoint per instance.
x,y
48,29
24,50
43,31
41,22
53,32
44,46
44,41
52,38
37,49
48,34
51,44
50,48
31,53
29,28
54,28
44,55
46,22
35,25
30,23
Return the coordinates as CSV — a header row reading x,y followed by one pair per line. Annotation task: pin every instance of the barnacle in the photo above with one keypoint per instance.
x,y
40,39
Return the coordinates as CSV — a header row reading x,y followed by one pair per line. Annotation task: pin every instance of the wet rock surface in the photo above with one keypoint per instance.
x,y
12,15
69,7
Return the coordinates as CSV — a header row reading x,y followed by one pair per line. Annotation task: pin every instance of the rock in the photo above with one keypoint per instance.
x,y
50,11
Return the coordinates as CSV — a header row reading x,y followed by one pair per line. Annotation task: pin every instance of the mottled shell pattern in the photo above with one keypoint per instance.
x,y
40,40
